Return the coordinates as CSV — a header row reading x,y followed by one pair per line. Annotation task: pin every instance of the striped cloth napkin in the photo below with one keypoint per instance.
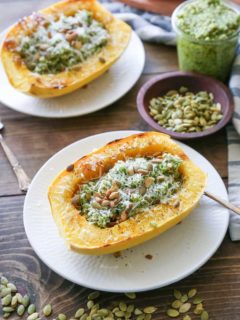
x,y
156,28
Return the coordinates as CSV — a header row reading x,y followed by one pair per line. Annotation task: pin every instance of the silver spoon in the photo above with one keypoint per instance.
x,y
23,179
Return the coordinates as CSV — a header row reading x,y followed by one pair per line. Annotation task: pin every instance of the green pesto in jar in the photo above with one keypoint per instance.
x,y
207,32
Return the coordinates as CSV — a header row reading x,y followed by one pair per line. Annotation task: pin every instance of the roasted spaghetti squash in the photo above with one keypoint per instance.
x,y
125,193
63,47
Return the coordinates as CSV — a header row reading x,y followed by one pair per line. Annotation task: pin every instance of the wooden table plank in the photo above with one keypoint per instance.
x,y
218,281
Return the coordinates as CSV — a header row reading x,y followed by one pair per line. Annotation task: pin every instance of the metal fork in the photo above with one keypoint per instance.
x,y
23,179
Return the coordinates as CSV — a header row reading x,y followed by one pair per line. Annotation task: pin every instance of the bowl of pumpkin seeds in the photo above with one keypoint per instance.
x,y
185,105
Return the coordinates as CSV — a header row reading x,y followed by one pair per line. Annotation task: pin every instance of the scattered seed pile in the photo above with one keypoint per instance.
x,y
184,303
15,303
184,111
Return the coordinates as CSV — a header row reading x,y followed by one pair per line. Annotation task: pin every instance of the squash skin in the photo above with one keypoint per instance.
x,y
53,85
87,238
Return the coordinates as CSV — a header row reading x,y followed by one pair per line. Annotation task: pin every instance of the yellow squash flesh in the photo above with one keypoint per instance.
x,y
52,85
83,237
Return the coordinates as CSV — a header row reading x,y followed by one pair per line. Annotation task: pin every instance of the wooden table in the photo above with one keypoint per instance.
x,y
34,140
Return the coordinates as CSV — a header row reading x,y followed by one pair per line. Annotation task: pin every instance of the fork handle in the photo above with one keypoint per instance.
x,y
23,179
224,203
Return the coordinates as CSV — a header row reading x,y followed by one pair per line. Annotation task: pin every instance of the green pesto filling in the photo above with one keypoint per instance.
x,y
208,20
129,187
60,44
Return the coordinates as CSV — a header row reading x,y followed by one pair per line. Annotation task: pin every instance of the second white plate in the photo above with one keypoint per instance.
x,y
175,254
100,93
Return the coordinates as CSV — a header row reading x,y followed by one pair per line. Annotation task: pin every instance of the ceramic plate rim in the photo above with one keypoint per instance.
x,y
134,37
123,133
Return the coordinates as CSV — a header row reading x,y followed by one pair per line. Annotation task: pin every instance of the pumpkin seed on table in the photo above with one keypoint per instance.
x,y
192,293
148,316
93,295
33,316
6,315
185,307
176,304
172,313
130,295
187,317
83,317
14,301
6,300
19,297
12,287
199,309
137,312
79,313
197,300
204,315
47,310
31,309
130,308
103,312
20,310
4,292
149,309
26,300
177,294
3,280
90,304
184,298
141,317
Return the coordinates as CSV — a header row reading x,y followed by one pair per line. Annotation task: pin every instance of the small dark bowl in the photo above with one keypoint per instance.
x,y
160,85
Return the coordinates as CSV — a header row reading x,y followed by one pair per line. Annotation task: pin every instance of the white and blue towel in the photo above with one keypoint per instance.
x,y
156,28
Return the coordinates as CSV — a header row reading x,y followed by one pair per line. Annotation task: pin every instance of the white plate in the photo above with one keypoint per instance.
x,y
176,253
98,94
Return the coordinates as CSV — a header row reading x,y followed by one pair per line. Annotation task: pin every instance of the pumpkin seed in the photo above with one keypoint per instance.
x,y
26,300
128,315
177,294
184,298
103,312
137,312
172,313
4,292
90,304
14,302
3,280
20,310
130,308
140,317
148,316
122,306
6,300
108,318
176,304
12,287
6,315
187,317
79,313
130,295
192,293
96,317
119,314
198,309
47,310
8,309
83,317
115,309
19,297
204,315
61,316
31,309
33,316
185,307
93,295
197,300
150,309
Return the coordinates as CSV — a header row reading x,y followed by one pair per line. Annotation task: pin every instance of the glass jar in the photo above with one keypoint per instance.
x,y
211,57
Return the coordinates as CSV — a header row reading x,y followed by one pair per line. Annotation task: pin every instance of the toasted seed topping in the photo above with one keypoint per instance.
x,y
172,313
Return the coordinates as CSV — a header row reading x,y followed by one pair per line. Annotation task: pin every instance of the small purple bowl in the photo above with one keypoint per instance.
x,y
160,85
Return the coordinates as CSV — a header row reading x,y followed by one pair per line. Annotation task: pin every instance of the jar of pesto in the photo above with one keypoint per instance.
x,y
207,36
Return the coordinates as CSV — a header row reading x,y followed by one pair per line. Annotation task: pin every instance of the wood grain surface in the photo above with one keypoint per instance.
x,y
34,140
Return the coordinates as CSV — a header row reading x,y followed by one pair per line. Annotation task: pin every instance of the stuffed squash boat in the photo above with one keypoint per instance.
x,y
125,193
63,47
